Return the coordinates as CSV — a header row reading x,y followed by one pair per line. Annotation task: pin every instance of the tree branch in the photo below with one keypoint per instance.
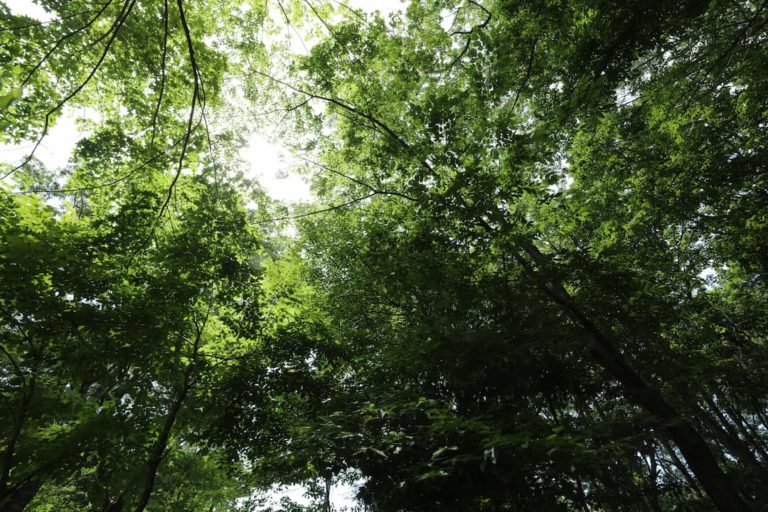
x,y
316,212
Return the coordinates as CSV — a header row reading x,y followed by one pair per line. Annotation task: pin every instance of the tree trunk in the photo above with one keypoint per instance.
x,y
691,444
18,499
731,442
747,429
158,450
681,467
328,482
156,455
116,506
18,427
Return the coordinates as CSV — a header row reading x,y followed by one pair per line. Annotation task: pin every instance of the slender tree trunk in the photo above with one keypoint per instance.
x,y
747,429
681,468
635,465
732,426
655,482
581,496
13,440
691,444
731,442
760,415
158,450
328,482
156,455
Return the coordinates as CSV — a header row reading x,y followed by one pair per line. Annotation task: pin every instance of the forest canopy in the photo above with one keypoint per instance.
x,y
533,275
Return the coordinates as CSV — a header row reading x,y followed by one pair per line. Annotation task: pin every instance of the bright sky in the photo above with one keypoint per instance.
x,y
383,6
28,8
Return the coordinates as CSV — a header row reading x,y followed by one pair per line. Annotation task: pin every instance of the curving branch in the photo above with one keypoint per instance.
x,y
370,187
339,103
62,39
49,22
154,158
475,29
195,99
316,212
290,26
15,365
46,125
163,57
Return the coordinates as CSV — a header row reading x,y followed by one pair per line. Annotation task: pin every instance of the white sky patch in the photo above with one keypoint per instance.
x,y
28,8
271,165
342,495
295,493
55,149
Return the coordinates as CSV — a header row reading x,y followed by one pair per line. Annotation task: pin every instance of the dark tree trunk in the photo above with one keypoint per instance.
x,y
691,444
328,494
13,440
116,506
17,499
158,450
747,429
731,442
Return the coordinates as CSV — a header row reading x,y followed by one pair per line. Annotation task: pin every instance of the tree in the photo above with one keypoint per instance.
x,y
481,132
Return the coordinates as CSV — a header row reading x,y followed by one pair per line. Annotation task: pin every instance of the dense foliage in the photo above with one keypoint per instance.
x,y
534,277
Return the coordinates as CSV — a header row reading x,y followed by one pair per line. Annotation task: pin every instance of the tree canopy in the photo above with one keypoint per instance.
x,y
533,276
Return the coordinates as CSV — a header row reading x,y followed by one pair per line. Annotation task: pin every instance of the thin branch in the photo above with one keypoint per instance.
x,y
162,73
316,212
15,365
195,97
355,180
119,22
187,134
64,38
125,177
290,26
317,15
469,33
350,9
527,76
355,58
343,105
111,27
49,22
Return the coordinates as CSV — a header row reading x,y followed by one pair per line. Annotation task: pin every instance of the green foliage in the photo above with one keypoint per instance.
x,y
534,278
